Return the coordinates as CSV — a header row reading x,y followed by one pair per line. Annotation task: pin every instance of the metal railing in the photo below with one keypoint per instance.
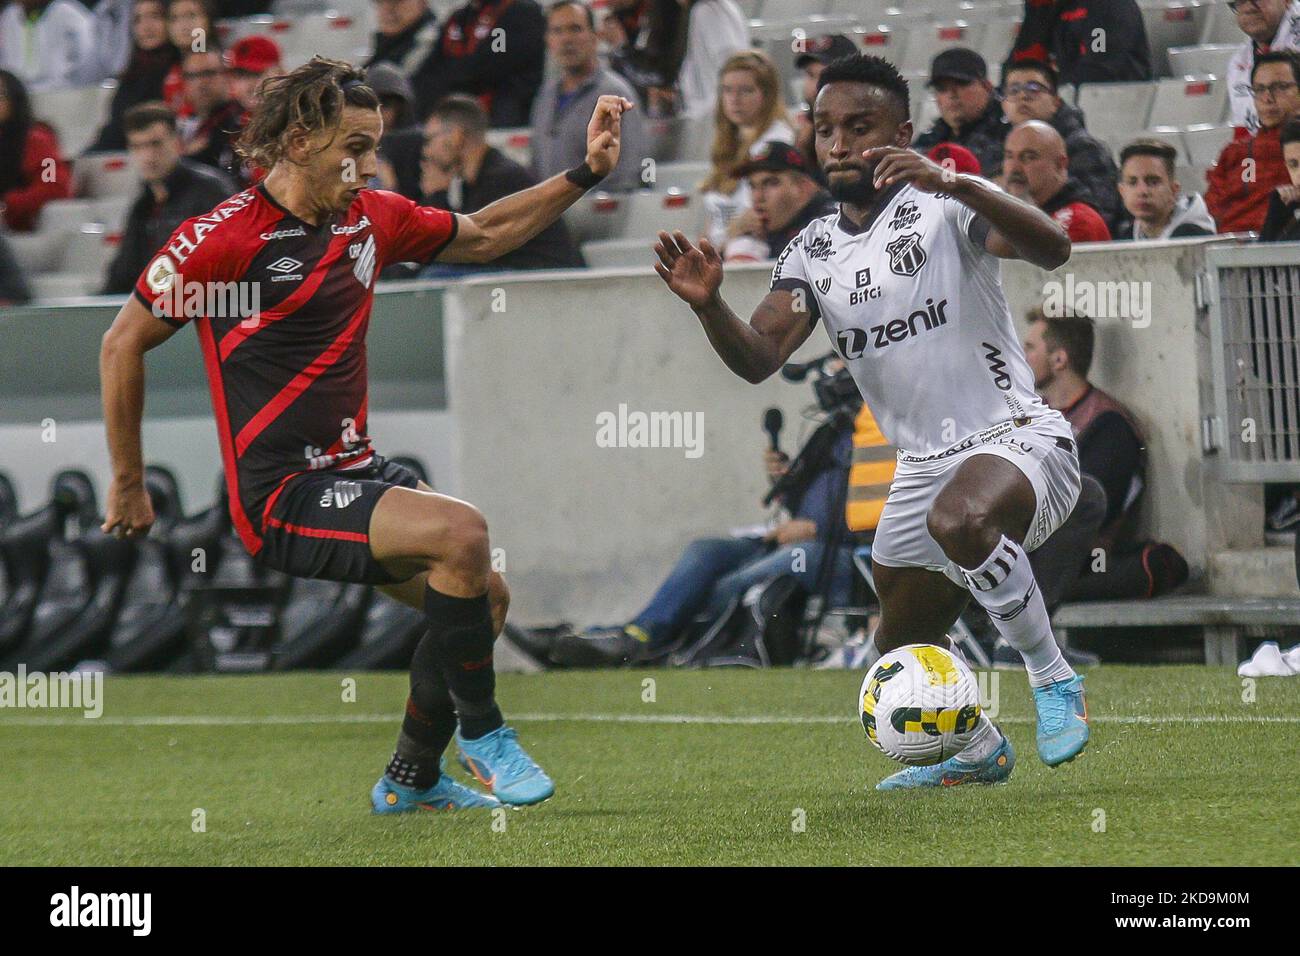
x,y
1253,305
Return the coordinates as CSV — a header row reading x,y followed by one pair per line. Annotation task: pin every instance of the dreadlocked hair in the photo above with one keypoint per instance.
x,y
309,99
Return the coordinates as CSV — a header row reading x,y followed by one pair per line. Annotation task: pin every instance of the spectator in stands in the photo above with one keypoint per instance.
x,y
208,133
174,189
1036,169
1090,41
1030,92
713,571
1282,223
749,114
493,50
250,61
784,199
969,112
957,159
564,104
190,28
14,289
49,44
646,42
1157,207
461,172
715,31
1270,26
114,36
1250,168
32,168
817,52
406,36
1112,451
403,139
152,58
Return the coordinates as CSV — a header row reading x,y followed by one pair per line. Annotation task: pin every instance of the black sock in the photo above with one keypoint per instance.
x,y
462,637
429,722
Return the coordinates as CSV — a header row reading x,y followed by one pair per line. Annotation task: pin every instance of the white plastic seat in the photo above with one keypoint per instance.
x,y
1205,142
1202,58
339,36
648,213
926,42
1115,109
1184,101
685,176
596,216
1171,23
75,114
517,143
619,253
105,174
1221,25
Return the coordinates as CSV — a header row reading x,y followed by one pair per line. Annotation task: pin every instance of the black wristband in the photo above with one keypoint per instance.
x,y
584,177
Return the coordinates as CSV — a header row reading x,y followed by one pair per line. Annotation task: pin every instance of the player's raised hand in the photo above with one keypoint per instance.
x,y
128,512
896,164
603,133
694,274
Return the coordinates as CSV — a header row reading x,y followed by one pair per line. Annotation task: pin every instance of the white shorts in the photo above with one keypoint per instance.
x,y
1043,449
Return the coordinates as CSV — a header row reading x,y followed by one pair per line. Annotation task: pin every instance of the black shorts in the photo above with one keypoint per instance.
x,y
319,526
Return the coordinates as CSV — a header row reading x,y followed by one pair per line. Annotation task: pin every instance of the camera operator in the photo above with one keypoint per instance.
x,y
713,571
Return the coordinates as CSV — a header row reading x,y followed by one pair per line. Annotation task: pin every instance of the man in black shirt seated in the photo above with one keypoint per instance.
x,y
175,189
784,199
461,172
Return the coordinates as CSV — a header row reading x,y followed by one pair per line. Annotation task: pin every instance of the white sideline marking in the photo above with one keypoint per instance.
x,y
199,720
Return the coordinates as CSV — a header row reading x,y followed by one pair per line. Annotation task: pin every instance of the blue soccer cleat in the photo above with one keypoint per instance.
x,y
498,762
952,772
446,794
1062,720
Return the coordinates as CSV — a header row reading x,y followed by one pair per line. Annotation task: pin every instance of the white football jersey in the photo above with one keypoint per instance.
x,y
913,303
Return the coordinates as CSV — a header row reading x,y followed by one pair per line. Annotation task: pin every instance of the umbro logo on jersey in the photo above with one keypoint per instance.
x,y
905,215
287,267
824,284
906,255
853,342
341,495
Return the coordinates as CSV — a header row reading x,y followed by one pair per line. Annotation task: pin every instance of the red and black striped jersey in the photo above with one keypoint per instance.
x,y
281,308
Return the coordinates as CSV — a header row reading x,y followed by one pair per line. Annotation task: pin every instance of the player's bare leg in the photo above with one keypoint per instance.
x,y
980,519
439,547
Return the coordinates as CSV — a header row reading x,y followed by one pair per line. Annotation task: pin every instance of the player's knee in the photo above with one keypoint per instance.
x,y
459,539
966,530
498,597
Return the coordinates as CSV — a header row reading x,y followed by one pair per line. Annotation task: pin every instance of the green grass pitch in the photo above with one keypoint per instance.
x,y
721,767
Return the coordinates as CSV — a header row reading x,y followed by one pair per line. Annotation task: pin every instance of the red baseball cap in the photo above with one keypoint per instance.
x,y
963,160
255,54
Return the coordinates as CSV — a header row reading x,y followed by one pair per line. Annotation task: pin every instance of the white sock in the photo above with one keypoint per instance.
x,y
984,741
1004,586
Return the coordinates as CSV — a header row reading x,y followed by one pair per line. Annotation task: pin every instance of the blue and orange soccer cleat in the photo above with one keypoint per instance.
x,y
1062,720
447,794
498,762
995,768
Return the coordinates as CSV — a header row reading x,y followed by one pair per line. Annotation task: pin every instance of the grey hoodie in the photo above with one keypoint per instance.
x,y
1191,217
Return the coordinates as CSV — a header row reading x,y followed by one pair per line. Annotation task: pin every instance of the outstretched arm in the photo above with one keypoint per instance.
x,y
508,223
753,351
1019,230
135,331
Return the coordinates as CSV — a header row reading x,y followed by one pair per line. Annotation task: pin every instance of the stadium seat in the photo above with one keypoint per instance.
x,y
925,42
649,212
83,586
598,215
685,176
1115,109
792,12
999,35
319,622
102,175
1202,58
619,253
1171,23
88,252
74,113
1204,143
65,216
1221,26
885,40
388,638
35,251
25,554
340,36
515,143
1185,101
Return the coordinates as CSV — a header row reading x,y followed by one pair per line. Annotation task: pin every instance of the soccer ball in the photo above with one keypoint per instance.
x,y
919,704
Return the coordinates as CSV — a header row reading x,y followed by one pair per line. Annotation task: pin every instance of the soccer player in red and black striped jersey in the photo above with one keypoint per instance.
x,y
278,281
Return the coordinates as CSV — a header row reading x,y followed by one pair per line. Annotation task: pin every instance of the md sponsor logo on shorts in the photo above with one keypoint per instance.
x,y
341,495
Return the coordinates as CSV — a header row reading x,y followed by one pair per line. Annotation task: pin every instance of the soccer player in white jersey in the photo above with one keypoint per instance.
x,y
906,279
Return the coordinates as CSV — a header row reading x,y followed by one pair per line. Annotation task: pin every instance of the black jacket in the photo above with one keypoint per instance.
x,y
1064,31
499,176
983,137
1282,222
140,82
192,189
